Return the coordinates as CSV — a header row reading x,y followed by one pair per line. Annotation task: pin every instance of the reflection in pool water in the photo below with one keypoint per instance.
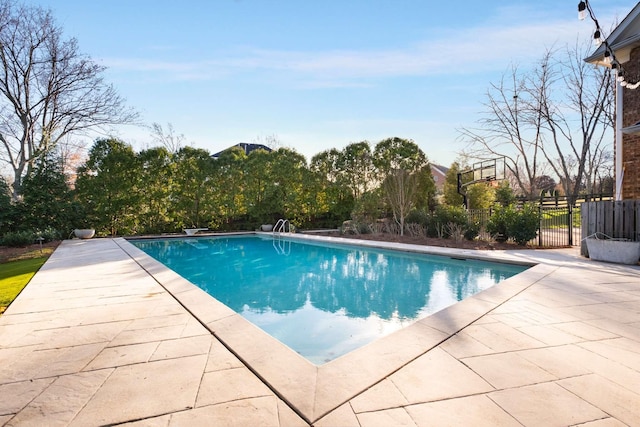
x,y
324,300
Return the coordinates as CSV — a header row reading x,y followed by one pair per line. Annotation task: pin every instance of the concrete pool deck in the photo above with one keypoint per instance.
x,y
104,335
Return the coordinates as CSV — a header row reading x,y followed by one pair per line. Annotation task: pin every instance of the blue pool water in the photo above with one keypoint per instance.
x,y
324,300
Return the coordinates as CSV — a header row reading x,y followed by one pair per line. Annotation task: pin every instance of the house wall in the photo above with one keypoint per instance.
x,y
631,143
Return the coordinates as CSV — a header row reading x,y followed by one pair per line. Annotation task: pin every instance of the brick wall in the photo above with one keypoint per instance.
x,y
631,143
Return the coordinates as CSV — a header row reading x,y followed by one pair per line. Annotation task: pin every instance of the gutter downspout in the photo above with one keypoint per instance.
x,y
618,142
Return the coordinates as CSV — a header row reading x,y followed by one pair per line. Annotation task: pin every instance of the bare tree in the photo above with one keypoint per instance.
x,y
48,89
169,139
400,187
556,116
508,129
589,96
272,141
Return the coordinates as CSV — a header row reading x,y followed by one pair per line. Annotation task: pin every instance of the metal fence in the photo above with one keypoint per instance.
x,y
559,225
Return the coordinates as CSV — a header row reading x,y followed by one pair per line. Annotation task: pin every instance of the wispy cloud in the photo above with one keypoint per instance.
x,y
448,51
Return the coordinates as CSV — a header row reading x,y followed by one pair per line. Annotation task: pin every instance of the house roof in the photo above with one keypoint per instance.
x,y
247,147
439,169
622,39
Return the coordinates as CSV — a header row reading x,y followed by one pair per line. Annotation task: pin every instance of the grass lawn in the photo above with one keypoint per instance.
x,y
17,271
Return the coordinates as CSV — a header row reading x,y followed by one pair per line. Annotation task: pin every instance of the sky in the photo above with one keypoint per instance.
x,y
317,75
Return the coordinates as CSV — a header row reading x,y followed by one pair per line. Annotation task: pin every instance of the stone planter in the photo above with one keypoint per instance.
x,y
620,251
84,233
266,227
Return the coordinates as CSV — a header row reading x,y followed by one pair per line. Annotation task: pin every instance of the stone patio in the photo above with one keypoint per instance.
x,y
104,335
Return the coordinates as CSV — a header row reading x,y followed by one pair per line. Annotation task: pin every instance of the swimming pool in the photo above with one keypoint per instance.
x,y
323,300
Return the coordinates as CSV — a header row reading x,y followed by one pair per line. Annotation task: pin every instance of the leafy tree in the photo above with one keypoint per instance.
x,y
398,162
545,183
328,197
229,172
370,206
397,153
48,89
450,188
194,187
259,187
327,164
355,166
504,194
425,190
157,171
288,177
47,200
480,196
108,188
7,214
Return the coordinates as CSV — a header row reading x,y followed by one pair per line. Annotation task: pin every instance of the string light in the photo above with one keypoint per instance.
x,y
582,10
596,38
609,55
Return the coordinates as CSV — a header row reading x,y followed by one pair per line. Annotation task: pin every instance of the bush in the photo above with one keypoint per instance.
x,y
420,217
472,230
18,239
49,234
510,222
497,224
523,226
443,218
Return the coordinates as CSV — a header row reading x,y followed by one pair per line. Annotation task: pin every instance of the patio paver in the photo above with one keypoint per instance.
x,y
102,335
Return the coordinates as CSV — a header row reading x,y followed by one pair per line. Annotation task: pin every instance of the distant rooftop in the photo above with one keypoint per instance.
x,y
246,147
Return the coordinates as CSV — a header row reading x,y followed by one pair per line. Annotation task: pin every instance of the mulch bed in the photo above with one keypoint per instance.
x,y
10,254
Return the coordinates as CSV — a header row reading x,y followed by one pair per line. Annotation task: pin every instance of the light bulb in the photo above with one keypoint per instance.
x,y
582,10
623,83
597,40
620,76
607,57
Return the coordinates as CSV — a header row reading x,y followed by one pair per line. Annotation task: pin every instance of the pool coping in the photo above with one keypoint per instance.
x,y
314,391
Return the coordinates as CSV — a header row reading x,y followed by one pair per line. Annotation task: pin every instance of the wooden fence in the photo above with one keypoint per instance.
x,y
618,219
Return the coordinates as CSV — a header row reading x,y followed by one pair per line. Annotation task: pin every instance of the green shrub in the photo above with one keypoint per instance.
x,y
49,234
443,217
18,239
364,228
472,230
497,224
421,217
523,225
504,194
510,222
